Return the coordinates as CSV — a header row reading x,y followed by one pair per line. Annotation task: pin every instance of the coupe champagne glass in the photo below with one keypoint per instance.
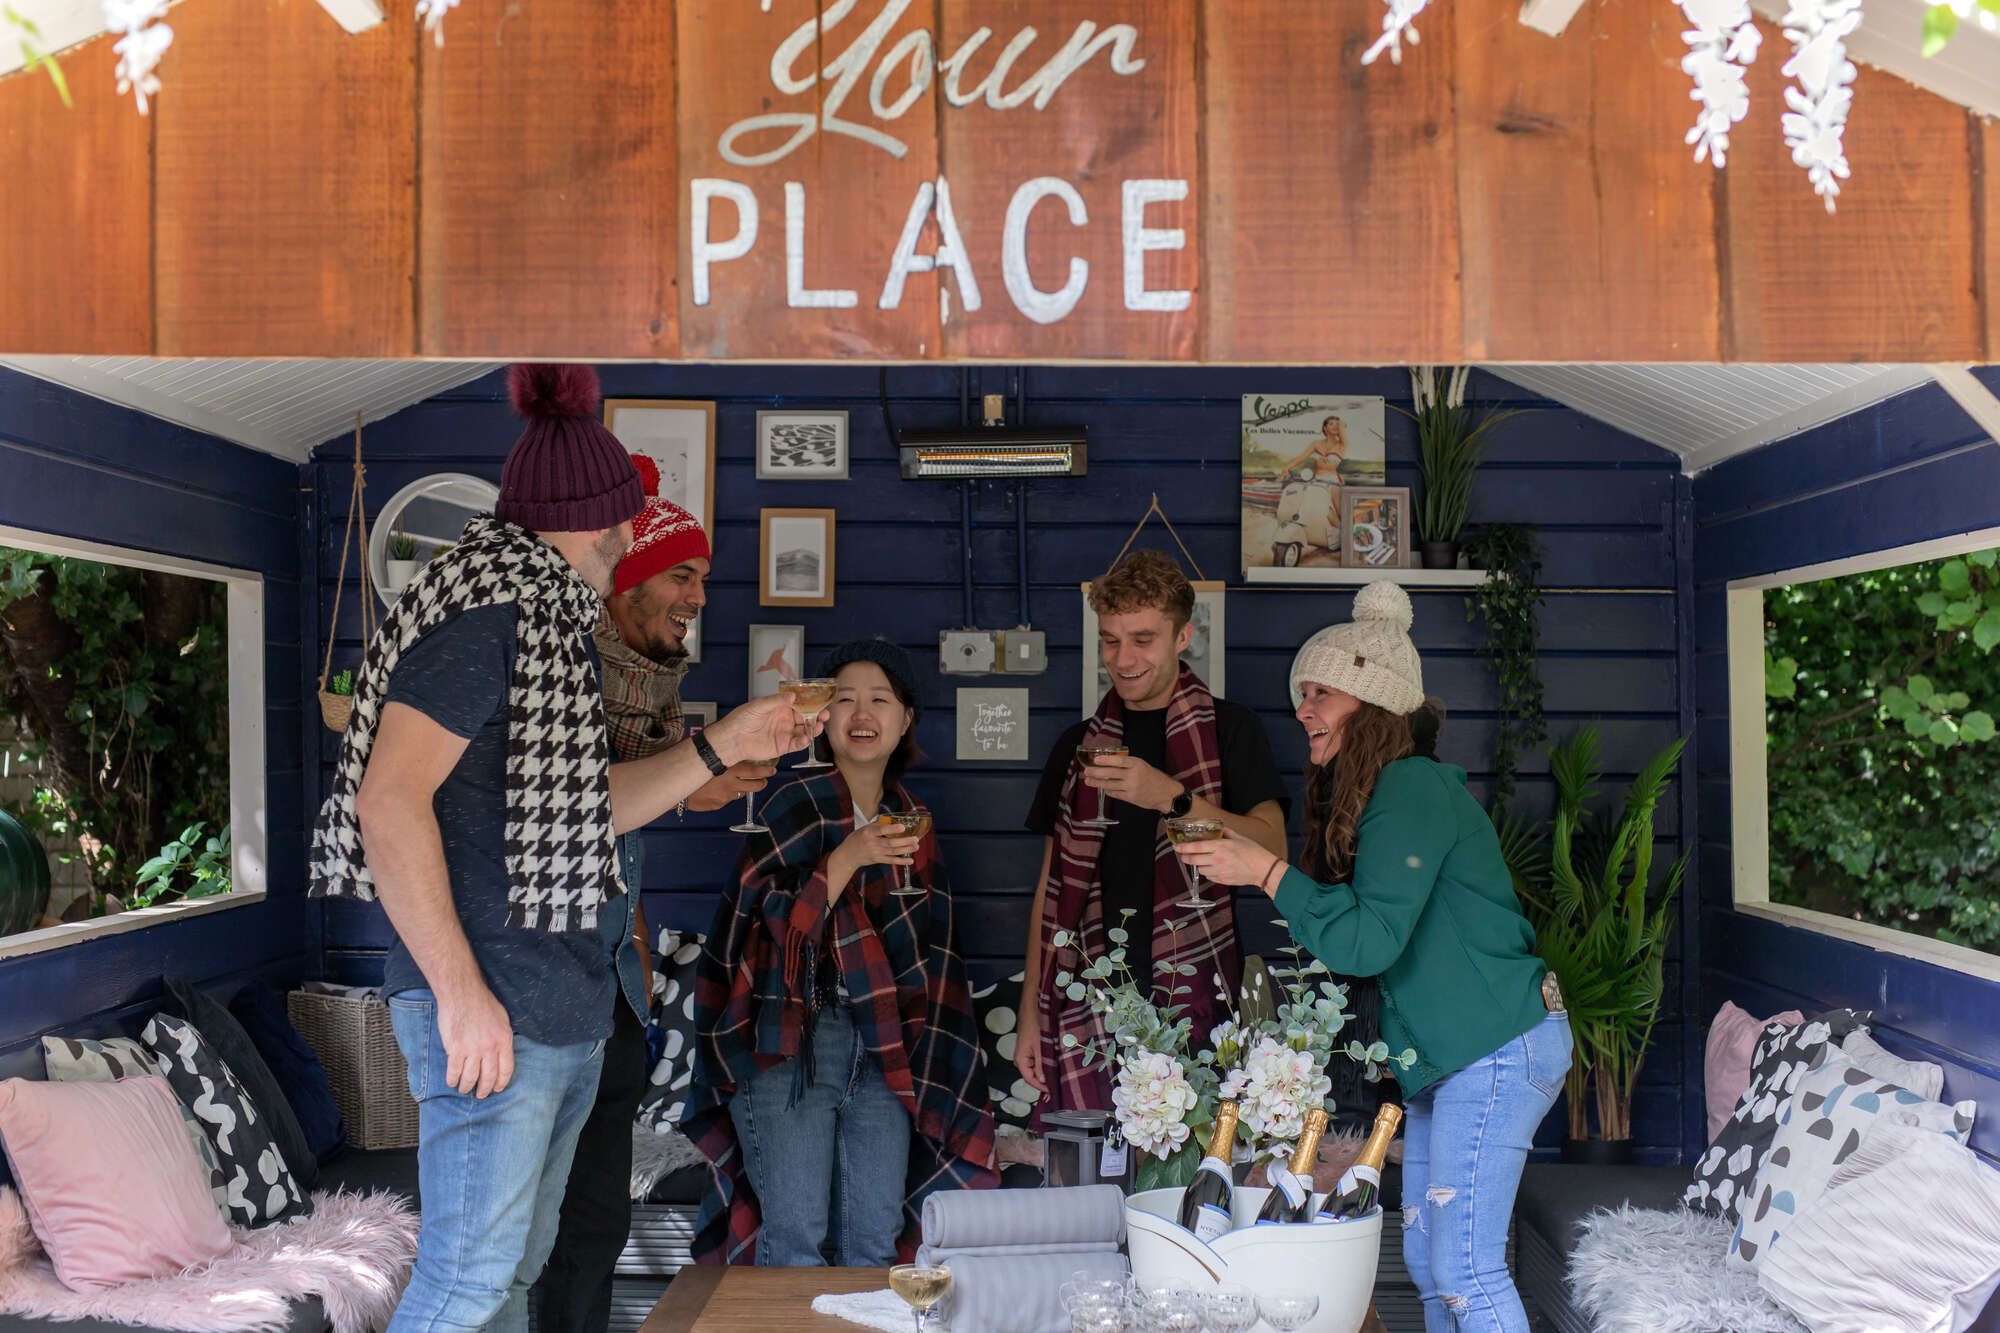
x,y
1229,1308
1193,830
809,699
1288,1310
749,823
921,1286
916,824
1092,755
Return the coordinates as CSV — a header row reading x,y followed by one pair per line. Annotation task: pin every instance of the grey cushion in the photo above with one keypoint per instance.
x,y
1555,1196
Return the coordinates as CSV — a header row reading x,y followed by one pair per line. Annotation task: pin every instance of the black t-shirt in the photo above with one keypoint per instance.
x,y
1249,778
556,986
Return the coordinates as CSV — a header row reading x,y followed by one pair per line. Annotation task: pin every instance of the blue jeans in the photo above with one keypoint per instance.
x,y
836,1159
1465,1141
491,1173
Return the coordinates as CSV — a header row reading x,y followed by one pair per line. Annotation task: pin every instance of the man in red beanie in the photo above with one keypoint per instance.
x,y
477,796
657,593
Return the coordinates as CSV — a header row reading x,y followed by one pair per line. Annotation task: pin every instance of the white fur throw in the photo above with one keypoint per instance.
x,y
353,1252
657,1154
1638,1270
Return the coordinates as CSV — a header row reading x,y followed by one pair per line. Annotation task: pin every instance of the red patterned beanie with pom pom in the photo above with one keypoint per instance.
x,y
663,535
566,473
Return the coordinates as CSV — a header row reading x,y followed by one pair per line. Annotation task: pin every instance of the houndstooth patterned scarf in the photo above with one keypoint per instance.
x,y
561,857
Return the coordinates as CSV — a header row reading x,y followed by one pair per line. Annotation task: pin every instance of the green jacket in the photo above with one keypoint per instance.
x,y
1431,911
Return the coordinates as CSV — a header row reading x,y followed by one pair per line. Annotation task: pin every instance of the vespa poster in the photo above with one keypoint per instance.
x,y
1299,451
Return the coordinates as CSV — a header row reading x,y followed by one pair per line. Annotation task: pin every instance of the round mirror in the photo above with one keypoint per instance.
x,y
422,519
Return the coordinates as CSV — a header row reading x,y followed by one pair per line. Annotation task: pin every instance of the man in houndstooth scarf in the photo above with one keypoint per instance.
x,y
477,799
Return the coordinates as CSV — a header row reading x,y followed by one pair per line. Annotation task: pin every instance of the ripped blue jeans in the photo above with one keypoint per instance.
x,y
1465,1141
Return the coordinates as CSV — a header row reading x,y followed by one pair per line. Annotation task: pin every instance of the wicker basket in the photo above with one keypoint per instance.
x,y
335,709
356,1042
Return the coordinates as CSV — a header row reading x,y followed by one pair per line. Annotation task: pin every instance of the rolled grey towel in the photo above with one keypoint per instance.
x,y
1086,1215
1022,1294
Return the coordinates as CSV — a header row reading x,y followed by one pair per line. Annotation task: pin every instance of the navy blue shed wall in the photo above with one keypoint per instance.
x,y
1607,505
76,467
1907,470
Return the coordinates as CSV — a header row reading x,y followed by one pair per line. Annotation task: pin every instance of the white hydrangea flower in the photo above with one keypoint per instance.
x,y
431,14
143,40
1152,1101
1817,122
1275,1087
1722,44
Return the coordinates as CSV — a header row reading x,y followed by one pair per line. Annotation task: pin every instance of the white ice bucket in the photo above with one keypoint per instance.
x,y
1337,1260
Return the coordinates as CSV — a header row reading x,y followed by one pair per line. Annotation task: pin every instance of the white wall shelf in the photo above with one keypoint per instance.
x,y
1409,578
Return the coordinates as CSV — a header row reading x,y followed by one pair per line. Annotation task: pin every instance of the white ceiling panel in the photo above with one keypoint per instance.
x,y
279,407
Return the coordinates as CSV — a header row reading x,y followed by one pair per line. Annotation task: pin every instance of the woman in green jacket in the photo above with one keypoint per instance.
x,y
1402,879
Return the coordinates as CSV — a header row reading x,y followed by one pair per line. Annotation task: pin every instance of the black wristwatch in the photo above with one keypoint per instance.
x,y
706,750
1182,806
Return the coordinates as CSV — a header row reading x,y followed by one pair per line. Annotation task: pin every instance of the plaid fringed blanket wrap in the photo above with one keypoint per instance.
x,y
1182,936
898,959
562,862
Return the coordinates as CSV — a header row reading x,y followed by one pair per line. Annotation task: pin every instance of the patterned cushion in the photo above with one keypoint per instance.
x,y
1820,1127
259,1187
670,1031
1724,1174
82,1060
998,1007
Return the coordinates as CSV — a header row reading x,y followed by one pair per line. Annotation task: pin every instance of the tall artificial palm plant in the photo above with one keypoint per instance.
x,y
1601,923
1451,437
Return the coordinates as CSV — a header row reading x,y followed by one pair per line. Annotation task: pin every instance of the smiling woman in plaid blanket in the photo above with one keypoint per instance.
x,y
837,1075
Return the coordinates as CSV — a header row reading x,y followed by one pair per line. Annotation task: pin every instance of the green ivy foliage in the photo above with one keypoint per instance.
x,y
1881,693
1508,602
153,713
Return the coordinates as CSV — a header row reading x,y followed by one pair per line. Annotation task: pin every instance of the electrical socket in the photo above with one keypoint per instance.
x,y
967,652
1023,651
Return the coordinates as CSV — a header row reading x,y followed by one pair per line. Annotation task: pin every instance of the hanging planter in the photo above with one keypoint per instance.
x,y
336,693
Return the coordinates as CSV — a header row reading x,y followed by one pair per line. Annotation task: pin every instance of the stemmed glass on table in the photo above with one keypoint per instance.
x,y
809,699
1288,1310
921,1286
1193,830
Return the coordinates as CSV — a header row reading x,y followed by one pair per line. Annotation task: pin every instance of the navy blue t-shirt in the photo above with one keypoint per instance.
x,y
556,986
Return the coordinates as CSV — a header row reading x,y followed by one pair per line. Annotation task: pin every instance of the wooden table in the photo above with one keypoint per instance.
x,y
702,1299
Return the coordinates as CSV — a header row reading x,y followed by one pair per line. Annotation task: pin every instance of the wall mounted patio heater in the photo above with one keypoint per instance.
x,y
967,453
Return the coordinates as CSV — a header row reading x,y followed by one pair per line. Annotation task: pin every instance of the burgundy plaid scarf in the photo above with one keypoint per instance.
x,y
1205,940
754,993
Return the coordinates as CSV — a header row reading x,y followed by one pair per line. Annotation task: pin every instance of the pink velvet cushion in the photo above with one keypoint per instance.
x,y
112,1187
1732,1041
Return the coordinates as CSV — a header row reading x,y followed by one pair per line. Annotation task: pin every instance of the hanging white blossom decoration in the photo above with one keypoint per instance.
x,y
431,13
1398,23
1722,44
142,41
1824,76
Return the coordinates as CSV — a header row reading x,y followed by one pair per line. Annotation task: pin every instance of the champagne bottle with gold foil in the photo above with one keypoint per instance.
x,y
1205,1204
1361,1184
1291,1196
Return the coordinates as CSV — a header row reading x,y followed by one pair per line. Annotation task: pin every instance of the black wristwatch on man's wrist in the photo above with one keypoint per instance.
x,y
1182,805
706,749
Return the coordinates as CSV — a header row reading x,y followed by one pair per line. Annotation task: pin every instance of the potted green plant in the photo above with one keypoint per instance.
x,y
1602,919
1451,437
402,561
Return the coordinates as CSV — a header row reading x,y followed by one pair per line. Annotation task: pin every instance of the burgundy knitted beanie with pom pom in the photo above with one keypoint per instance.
x,y
566,473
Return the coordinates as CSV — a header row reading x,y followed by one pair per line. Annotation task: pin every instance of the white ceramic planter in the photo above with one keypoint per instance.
x,y
1337,1260
400,574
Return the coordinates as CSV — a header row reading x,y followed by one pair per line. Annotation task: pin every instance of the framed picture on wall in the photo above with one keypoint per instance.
x,y
1299,452
801,446
679,436
697,716
777,653
1205,650
795,557
1375,522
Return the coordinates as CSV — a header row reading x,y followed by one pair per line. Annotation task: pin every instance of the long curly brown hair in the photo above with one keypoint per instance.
x,y
1371,739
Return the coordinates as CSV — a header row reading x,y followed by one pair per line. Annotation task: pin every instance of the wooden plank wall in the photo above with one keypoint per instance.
x,y
524,190
1605,504
76,467
1907,470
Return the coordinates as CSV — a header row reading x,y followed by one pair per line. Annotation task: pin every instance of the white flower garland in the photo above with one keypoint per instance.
x,y
1398,23
1722,45
431,14
1815,125
143,39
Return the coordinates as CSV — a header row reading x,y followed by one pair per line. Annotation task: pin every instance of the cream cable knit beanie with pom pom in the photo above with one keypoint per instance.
x,y
1370,657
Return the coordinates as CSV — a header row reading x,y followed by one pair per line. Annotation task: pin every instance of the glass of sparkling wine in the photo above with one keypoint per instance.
x,y
1092,755
749,823
809,699
1193,830
916,824
921,1286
